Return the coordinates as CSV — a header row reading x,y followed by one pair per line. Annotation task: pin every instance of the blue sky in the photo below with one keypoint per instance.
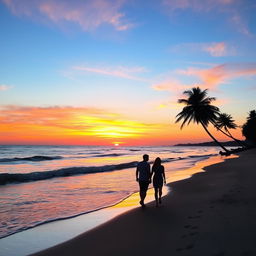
x,y
131,58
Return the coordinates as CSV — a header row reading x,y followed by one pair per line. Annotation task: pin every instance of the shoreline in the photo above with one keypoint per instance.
x,y
210,212
70,227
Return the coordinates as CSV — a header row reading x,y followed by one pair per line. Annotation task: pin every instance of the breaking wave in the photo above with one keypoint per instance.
x,y
31,158
6,178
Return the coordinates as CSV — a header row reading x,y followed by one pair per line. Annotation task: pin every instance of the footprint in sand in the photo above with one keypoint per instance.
x,y
190,246
219,254
193,233
194,217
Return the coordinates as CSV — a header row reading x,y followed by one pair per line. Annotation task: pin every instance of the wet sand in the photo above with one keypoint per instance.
x,y
213,213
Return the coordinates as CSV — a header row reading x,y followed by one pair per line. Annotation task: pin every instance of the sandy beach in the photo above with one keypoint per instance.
x,y
212,213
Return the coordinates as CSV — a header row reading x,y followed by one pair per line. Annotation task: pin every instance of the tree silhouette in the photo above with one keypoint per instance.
x,y
249,128
199,110
226,122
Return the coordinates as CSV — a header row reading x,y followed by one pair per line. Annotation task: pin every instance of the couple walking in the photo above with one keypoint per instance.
x,y
144,175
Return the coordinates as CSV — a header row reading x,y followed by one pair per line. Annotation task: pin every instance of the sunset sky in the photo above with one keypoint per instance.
x,y
100,72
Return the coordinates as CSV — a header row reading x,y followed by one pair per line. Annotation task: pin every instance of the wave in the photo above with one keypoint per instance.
x,y
39,223
64,172
6,178
31,158
199,156
107,155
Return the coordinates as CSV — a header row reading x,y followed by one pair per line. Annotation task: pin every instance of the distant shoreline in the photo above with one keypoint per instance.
x,y
208,144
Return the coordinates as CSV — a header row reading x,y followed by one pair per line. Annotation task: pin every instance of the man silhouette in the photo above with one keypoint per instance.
x,y
143,176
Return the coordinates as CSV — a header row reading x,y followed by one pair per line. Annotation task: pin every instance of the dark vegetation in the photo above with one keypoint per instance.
x,y
199,109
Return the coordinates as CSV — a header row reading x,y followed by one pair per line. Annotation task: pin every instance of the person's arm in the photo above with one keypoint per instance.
x,y
150,173
164,176
137,174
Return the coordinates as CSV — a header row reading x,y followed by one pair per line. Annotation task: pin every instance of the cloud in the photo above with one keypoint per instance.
x,y
93,122
54,115
197,5
210,78
231,10
213,77
89,15
215,49
4,87
240,24
121,71
172,85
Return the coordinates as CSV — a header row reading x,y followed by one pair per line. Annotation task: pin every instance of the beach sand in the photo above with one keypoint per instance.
x,y
212,213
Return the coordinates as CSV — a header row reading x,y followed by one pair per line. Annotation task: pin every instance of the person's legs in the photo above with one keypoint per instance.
x,y
142,196
143,191
156,195
160,195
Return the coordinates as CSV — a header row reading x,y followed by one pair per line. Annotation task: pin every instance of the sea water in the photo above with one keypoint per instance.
x,y
39,184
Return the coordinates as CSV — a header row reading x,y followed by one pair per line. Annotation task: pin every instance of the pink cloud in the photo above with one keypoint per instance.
x,y
172,85
231,9
213,77
197,5
240,24
89,15
122,72
210,78
4,87
215,49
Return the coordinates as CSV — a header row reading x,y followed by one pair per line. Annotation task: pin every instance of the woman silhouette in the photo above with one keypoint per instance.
x,y
158,179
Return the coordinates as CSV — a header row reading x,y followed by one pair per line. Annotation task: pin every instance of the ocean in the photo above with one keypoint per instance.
x,y
40,184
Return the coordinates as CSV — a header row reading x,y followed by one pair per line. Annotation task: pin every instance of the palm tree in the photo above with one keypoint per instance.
x,y
249,128
199,110
226,122
252,115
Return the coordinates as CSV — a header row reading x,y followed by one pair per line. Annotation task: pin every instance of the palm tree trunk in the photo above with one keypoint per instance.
x,y
214,138
241,143
228,134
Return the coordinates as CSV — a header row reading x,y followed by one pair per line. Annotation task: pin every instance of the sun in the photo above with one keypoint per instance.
x,y
116,144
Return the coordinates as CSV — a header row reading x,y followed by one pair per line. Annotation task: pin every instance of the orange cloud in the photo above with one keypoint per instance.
x,y
87,126
89,15
213,77
209,78
123,72
69,125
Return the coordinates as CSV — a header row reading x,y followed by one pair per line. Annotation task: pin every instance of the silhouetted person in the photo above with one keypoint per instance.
x,y
143,176
158,179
